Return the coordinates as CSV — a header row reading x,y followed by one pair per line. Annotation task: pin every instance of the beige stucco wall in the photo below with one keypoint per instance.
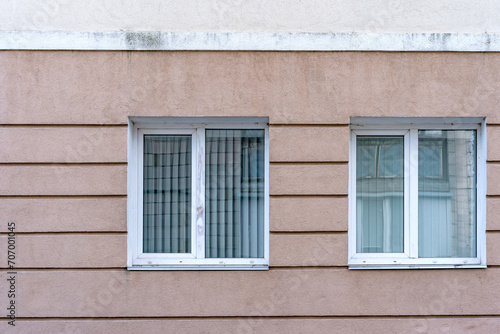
x,y
63,181
290,88
253,16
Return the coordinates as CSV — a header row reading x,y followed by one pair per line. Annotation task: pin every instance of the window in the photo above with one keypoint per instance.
x,y
417,195
198,192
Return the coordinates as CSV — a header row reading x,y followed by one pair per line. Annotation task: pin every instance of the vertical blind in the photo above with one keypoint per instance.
x,y
234,193
447,193
379,194
167,194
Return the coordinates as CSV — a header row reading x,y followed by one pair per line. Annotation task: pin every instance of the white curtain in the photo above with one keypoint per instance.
x,y
234,194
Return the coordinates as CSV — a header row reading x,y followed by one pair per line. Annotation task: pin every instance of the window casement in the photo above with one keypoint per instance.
x,y
417,193
198,193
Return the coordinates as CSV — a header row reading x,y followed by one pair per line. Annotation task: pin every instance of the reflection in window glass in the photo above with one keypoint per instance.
x,y
447,193
380,190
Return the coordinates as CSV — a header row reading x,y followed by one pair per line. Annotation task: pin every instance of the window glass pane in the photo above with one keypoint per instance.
x,y
167,194
379,194
447,193
234,193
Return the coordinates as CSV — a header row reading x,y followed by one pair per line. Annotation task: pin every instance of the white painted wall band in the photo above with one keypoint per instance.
x,y
248,41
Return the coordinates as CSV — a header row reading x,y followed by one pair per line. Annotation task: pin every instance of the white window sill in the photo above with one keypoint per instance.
x,y
200,267
416,266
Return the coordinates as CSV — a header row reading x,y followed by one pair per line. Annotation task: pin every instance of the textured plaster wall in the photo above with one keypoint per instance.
x,y
292,87
63,181
459,16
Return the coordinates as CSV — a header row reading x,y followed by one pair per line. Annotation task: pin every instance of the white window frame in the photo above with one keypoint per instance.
x,y
194,126
408,127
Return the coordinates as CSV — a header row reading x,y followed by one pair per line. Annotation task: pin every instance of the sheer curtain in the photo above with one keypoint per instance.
x,y
379,194
234,193
447,193
167,194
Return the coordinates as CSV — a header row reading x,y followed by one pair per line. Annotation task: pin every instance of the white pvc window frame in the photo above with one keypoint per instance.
x,y
194,260
408,128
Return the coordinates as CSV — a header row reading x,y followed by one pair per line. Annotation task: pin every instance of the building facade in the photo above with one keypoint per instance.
x,y
338,166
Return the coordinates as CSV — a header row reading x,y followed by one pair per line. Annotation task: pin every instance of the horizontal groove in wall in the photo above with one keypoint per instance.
x,y
307,195
124,232
64,196
21,269
63,125
284,163
124,125
121,163
312,125
307,232
16,164
40,269
288,163
340,124
308,268
290,317
125,195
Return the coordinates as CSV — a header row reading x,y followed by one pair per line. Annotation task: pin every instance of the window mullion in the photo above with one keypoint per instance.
x,y
199,191
413,192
